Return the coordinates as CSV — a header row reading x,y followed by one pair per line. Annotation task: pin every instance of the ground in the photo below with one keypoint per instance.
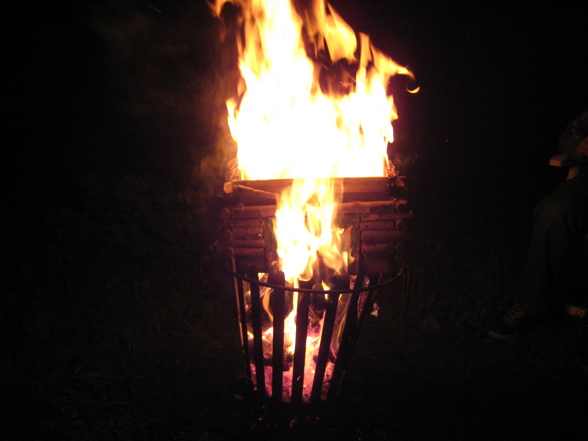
x,y
111,333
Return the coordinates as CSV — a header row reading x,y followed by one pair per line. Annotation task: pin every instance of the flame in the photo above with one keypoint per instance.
x,y
312,106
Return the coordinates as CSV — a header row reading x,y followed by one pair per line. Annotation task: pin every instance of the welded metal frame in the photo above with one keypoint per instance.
x,y
360,300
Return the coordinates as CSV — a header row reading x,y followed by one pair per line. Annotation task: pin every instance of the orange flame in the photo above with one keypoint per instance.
x,y
311,120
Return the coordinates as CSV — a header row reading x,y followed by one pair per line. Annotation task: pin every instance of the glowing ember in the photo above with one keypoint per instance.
x,y
312,343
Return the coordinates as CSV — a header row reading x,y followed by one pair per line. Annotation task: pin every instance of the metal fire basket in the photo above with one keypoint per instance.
x,y
298,342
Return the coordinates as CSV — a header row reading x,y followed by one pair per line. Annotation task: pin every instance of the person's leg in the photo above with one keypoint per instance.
x,y
554,263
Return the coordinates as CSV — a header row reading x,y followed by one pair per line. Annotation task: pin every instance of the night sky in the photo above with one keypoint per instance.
x,y
117,87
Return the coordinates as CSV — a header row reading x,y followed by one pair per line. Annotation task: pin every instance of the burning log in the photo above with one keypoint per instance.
x,y
377,186
398,207
380,231
267,192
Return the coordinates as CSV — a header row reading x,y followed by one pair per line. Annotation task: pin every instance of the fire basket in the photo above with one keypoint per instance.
x,y
313,218
298,341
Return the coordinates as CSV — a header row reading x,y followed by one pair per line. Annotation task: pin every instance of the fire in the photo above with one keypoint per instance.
x,y
297,118
312,106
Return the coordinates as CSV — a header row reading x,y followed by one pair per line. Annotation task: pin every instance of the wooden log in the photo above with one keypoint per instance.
x,y
224,214
365,207
249,195
243,243
247,252
246,223
402,206
388,225
397,209
247,233
401,225
368,217
240,223
383,237
226,234
374,185
388,249
255,211
392,214
375,249
375,265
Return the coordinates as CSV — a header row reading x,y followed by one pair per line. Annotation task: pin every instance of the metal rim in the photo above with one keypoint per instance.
x,y
307,290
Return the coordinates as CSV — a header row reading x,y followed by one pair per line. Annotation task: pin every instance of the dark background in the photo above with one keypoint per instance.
x,y
114,144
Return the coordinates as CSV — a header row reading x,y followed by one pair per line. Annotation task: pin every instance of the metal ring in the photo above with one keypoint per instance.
x,y
307,290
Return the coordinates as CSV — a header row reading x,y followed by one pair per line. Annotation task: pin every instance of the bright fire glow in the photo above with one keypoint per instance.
x,y
312,105
297,118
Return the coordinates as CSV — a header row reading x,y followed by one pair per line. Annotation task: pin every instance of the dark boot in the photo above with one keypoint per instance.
x,y
514,322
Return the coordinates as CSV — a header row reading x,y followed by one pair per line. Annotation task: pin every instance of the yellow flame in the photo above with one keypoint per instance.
x,y
311,120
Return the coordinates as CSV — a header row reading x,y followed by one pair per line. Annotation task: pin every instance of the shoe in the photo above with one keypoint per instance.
x,y
513,323
583,356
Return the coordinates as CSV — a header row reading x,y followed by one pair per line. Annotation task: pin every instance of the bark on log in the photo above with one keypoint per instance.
x,y
346,208
247,233
383,237
243,243
255,211
374,266
388,225
389,249
246,223
346,189
351,185
249,195
247,252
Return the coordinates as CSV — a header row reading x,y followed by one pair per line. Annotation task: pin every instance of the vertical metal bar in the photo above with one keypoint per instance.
x,y
364,314
277,306
347,340
300,347
257,337
367,305
240,297
326,334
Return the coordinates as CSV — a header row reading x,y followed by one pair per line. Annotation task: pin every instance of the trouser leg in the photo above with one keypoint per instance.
x,y
554,264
